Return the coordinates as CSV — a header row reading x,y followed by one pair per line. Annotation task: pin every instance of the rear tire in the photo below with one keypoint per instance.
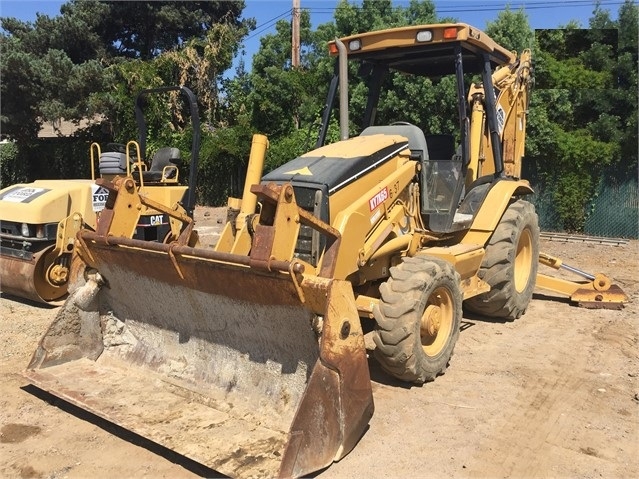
x,y
418,319
510,265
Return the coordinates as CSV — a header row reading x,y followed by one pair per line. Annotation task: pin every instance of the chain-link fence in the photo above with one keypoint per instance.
x,y
612,212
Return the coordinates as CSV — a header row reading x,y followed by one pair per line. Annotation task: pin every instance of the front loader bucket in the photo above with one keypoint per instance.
x,y
253,373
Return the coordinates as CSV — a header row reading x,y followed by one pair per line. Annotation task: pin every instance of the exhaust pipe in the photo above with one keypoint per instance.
x,y
343,89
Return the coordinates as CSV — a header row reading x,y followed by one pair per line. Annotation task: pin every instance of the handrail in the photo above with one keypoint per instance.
x,y
141,166
94,146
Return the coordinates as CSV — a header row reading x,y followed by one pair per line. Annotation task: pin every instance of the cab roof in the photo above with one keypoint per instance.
x,y
425,49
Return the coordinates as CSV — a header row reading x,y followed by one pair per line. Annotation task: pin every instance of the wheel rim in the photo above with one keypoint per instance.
x,y
437,322
523,260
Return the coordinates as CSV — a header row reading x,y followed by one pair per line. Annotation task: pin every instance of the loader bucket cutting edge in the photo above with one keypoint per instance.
x,y
212,359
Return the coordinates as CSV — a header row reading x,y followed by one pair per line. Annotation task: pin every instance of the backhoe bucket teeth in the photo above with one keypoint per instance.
x,y
251,372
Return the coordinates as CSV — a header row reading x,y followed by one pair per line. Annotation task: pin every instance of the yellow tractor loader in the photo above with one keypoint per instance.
x,y
39,220
250,357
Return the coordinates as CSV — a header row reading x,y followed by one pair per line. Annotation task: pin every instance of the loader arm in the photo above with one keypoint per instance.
x,y
277,230
125,197
58,272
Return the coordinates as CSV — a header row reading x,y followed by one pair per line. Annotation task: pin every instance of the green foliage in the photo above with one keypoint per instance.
x,y
145,29
583,114
41,82
511,30
87,62
283,99
579,151
291,146
572,191
571,74
10,171
201,61
223,160
49,72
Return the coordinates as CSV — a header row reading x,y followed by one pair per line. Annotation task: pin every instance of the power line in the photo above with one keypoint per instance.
x,y
455,7
268,24
522,5
487,6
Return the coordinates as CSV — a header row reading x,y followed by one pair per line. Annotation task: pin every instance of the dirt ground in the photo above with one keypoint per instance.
x,y
554,394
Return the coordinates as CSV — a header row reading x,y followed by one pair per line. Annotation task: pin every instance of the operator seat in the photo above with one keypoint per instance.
x,y
163,158
416,139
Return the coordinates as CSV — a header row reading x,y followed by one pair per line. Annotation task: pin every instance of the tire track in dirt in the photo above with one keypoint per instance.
x,y
557,419
526,436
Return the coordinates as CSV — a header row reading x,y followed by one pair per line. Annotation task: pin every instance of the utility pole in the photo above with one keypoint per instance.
x,y
295,41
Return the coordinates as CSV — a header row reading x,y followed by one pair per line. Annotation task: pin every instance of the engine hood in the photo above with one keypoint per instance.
x,y
339,164
50,201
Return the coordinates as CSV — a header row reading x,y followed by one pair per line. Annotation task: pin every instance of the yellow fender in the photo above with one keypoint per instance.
x,y
493,208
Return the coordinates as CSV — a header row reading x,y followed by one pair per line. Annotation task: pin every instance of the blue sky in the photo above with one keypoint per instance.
x,y
541,13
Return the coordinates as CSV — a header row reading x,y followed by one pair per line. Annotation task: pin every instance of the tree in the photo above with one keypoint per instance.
x,y
49,70
144,29
628,85
225,148
583,117
287,103
511,30
96,56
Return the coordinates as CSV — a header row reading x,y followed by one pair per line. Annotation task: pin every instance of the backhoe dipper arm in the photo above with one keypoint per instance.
x,y
512,85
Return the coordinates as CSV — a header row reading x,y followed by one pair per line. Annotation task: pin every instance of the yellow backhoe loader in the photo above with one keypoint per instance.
x,y
39,220
250,357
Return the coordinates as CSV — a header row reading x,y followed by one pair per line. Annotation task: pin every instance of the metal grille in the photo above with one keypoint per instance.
x,y
310,243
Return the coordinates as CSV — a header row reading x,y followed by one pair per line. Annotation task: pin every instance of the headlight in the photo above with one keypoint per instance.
x,y
424,36
25,229
354,45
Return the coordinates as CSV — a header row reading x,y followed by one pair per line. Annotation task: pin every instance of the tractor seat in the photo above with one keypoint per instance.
x,y
163,166
414,134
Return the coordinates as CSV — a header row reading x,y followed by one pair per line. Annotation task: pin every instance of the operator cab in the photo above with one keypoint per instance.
x,y
435,51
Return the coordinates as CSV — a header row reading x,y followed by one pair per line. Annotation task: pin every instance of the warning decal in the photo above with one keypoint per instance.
x,y
99,195
302,171
22,194
501,119
378,199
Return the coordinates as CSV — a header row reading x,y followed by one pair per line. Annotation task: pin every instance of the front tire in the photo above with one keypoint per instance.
x,y
510,265
418,319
